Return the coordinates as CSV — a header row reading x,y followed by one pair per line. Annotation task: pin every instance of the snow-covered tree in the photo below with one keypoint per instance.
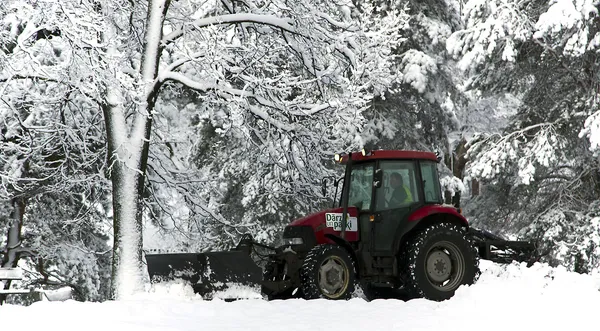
x,y
260,170
51,145
271,65
542,176
430,111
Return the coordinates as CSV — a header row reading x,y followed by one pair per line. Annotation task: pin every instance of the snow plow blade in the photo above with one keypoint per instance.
x,y
207,273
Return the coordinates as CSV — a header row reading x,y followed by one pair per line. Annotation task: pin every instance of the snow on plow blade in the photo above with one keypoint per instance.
x,y
208,273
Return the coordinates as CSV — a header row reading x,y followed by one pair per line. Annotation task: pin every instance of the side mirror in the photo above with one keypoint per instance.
x,y
324,184
378,178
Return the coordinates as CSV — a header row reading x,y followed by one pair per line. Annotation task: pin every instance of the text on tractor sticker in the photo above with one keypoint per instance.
x,y
334,220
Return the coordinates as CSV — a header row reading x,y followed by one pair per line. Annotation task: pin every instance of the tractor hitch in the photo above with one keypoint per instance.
x,y
497,249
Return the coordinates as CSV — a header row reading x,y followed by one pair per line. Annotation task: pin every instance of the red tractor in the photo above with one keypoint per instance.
x,y
390,231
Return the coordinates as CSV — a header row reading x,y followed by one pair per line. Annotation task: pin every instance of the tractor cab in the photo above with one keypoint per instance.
x,y
384,181
386,187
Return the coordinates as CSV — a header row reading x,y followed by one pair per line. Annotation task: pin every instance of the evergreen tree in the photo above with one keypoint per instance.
x,y
542,179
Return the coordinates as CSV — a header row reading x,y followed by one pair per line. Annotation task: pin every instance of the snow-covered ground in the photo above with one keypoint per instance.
x,y
506,297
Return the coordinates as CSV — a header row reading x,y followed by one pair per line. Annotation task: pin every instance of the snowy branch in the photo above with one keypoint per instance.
x,y
270,20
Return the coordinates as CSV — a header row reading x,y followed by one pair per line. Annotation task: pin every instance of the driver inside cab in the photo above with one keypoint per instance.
x,y
400,193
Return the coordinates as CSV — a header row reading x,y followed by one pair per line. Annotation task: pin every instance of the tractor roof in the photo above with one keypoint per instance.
x,y
391,154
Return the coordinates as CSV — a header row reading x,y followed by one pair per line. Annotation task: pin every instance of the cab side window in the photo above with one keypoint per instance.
x,y
431,183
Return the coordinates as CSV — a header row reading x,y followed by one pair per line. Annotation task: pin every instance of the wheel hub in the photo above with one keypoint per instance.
x,y
445,266
439,266
333,278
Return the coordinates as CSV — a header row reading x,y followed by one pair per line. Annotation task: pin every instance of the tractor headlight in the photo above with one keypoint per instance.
x,y
293,241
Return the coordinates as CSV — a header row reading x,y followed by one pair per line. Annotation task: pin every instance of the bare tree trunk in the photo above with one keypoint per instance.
x,y
12,253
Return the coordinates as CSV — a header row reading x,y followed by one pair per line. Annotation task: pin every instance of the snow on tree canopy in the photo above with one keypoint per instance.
x,y
564,16
591,130
416,68
539,173
267,120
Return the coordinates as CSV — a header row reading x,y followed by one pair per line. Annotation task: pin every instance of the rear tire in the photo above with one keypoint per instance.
x,y
327,272
438,259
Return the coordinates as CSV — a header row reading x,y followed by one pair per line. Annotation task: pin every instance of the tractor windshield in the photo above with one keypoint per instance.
x,y
361,186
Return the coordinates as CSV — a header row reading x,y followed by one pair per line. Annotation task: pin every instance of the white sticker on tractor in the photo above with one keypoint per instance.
x,y
334,220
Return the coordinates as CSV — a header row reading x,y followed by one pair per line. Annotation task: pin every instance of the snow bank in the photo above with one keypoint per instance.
x,y
61,294
505,297
176,290
239,292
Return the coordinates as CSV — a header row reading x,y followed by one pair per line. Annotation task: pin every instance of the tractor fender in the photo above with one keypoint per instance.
x,y
346,245
426,216
426,211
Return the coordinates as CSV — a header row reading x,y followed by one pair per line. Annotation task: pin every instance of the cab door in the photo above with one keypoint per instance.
x,y
397,196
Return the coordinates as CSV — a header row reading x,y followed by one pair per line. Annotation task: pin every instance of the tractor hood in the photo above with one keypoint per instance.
x,y
330,222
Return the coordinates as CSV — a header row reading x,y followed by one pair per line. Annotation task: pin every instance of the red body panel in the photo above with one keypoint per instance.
x,y
435,209
319,224
318,221
397,155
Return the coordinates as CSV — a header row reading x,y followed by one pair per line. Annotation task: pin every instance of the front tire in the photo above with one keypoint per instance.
x,y
438,260
327,272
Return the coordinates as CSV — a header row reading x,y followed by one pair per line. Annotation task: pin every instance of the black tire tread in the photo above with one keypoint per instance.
x,y
410,256
309,286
